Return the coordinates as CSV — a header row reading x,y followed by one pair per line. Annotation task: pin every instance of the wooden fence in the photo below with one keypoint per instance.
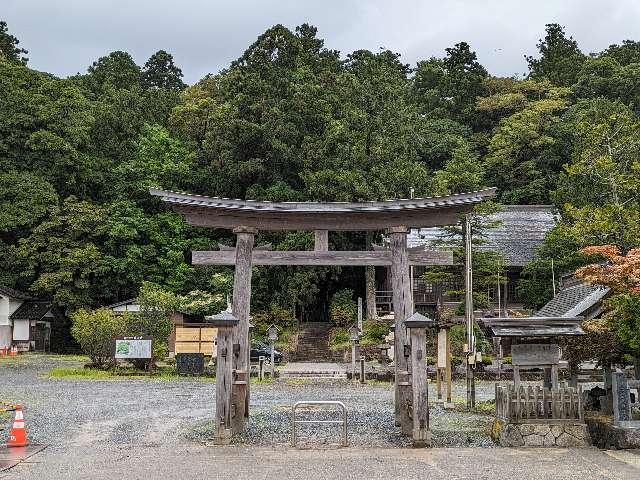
x,y
538,404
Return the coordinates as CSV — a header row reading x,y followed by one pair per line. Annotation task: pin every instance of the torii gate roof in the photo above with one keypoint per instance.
x,y
216,212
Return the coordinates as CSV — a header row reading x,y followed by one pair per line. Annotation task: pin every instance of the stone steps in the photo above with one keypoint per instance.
x,y
313,343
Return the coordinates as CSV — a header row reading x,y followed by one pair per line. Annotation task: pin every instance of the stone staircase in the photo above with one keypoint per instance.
x,y
313,343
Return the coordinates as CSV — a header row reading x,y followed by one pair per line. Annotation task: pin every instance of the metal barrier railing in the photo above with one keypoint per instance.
x,y
295,422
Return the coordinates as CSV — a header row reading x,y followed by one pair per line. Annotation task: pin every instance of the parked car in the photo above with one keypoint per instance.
x,y
262,350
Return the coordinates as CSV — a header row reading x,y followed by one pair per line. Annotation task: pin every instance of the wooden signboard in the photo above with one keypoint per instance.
x,y
534,354
442,348
130,348
195,340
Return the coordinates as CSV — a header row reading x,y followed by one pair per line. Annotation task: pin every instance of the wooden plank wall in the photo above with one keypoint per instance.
x,y
195,339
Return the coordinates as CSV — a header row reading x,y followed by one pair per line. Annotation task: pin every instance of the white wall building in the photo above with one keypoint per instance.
x,y
24,321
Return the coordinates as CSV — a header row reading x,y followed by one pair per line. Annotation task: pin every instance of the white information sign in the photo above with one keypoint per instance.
x,y
442,349
133,347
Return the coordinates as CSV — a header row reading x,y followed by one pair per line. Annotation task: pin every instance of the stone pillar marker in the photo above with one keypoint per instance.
x,y
402,309
245,237
354,336
621,397
225,322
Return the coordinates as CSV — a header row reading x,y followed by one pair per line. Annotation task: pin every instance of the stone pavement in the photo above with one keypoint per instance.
x,y
12,456
314,370
239,463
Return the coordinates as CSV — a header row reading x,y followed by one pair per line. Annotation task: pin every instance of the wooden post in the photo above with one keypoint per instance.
x,y
273,360
362,379
245,237
441,364
402,308
447,372
226,324
321,240
353,360
224,377
443,367
468,287
516,376
261,368
420,394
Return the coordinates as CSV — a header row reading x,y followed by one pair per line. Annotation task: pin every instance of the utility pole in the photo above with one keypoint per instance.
x,y
471,340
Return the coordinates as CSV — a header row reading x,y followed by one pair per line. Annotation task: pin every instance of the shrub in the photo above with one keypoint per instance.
x,y
94,331
339,339
373,332
343,310
274,315
154,318
198,302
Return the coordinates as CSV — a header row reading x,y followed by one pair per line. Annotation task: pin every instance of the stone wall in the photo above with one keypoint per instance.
x,y
540,434
605,434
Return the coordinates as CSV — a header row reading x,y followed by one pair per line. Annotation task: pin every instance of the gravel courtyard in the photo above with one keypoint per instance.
x,y
95,427
163,412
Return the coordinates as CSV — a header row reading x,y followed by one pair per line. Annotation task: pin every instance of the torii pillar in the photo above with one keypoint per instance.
x,y
245,238
402,309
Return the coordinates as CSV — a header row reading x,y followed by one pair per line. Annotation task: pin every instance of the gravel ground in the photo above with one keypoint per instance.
x,y
370,417
76,413
144,429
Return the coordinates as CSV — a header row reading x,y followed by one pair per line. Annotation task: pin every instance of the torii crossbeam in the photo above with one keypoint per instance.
x,y
246,217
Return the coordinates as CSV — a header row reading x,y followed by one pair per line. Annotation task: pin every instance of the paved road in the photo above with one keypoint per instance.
x,y
243,463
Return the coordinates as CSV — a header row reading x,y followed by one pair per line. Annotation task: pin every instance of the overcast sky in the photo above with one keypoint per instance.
x,y
65,36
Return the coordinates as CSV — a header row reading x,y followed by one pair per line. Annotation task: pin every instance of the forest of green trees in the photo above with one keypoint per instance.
x,y
292,120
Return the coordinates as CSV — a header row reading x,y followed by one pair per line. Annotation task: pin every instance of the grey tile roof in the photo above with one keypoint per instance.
x,y
227,204
31,311
521,231
13,293
573,301
123,302
537,326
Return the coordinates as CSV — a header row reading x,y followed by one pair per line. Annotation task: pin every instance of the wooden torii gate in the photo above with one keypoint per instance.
x,y
396,217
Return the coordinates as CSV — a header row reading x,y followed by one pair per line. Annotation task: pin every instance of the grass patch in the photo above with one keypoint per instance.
x,y
68,357
297,381
81,373
264,381
378,383
483,407
8,359
35,356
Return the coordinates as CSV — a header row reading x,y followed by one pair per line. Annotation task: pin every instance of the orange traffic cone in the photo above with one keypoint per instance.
x,y
14,351
18,434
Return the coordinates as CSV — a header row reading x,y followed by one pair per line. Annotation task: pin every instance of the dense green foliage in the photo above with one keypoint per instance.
x,y
94,332
293,120
343,310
